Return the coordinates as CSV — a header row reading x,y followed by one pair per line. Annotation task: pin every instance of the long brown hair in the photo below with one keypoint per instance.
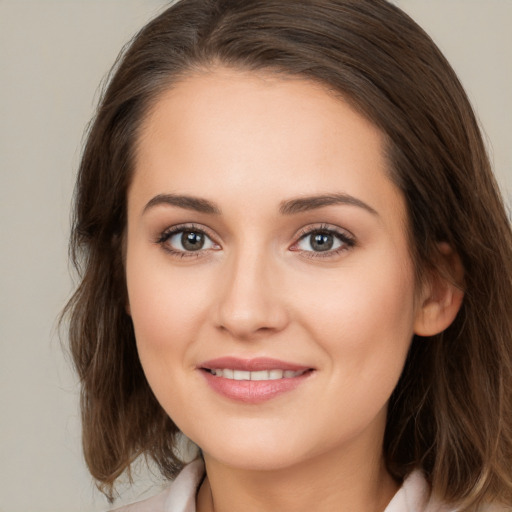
x,y
451,413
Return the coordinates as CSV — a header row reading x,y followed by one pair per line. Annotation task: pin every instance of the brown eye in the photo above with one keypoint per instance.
x,y
192,240
186,240
322,241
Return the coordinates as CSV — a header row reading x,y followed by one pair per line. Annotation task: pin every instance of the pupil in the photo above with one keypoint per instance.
x,y
192,241
322,242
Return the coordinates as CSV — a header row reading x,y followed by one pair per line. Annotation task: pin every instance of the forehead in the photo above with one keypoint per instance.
x,y
258,135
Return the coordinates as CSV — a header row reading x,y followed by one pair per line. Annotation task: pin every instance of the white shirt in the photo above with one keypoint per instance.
x,y
180,496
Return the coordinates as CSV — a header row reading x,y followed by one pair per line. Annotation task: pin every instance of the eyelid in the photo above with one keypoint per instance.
x,y
329,228
170,231
346,237
342,234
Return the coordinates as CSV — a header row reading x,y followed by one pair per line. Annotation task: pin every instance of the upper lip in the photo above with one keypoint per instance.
x,y
251,365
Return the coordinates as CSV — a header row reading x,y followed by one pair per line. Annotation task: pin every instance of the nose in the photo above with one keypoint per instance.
x,y
250,302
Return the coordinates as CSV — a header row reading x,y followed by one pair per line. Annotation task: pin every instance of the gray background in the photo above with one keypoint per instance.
x,y
53,55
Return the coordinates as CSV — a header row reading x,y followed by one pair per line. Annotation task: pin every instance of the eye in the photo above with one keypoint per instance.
x,y
323,240
185,240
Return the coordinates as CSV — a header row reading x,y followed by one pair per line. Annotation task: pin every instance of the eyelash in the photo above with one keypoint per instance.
x,y
174,230
347,240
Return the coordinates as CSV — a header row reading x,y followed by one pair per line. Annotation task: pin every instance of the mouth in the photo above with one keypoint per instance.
x,y
229,373
253,380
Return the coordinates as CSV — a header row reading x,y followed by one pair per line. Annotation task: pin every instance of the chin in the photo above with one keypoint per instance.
x,y
253,451
255,459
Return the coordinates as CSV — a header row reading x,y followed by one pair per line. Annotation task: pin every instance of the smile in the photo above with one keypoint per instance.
x,y
253,381
256,375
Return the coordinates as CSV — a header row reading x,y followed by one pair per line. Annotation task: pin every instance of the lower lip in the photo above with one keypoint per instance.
x,y
253,391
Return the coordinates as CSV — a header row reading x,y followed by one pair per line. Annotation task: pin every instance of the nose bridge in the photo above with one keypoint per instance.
x,y
251,301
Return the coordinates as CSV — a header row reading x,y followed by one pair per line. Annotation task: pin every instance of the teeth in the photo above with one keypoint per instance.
x,y
262,375
241,375
258,375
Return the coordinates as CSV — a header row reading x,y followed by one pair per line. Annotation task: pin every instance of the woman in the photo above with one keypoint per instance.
x,y
293,251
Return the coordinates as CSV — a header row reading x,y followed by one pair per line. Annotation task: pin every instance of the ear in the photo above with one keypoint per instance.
x,y
442,294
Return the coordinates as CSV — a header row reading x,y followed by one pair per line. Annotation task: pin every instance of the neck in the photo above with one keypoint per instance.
x,y
330,482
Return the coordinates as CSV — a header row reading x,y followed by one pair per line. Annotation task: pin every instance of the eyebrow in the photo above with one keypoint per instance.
x,y
303,204
290,207
187,202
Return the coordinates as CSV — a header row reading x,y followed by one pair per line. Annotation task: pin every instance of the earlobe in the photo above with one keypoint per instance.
x,y
442,295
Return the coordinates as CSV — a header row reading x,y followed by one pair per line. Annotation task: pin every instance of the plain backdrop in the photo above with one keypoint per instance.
x,y
53,55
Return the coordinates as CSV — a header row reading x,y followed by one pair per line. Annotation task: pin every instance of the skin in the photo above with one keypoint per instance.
x,y
247,143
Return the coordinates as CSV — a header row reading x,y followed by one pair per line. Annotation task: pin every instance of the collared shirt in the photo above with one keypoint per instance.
x,y
180,496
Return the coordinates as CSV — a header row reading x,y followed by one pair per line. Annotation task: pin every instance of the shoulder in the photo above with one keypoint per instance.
x,y
415,495
178,497
153,504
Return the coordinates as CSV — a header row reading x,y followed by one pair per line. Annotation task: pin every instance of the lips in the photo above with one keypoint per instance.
x,y
253,380
252,365
229,373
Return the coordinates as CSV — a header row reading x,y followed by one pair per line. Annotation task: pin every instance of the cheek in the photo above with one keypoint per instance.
x,y
166,308
367,336
364,320
166,314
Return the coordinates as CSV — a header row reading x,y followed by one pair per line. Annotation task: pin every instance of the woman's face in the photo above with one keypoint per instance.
x,y
268,272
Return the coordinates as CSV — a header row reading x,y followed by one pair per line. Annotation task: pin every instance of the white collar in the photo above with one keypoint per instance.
x,y
413,495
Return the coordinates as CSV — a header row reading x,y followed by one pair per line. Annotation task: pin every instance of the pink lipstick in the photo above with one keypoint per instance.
x,y
253,380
